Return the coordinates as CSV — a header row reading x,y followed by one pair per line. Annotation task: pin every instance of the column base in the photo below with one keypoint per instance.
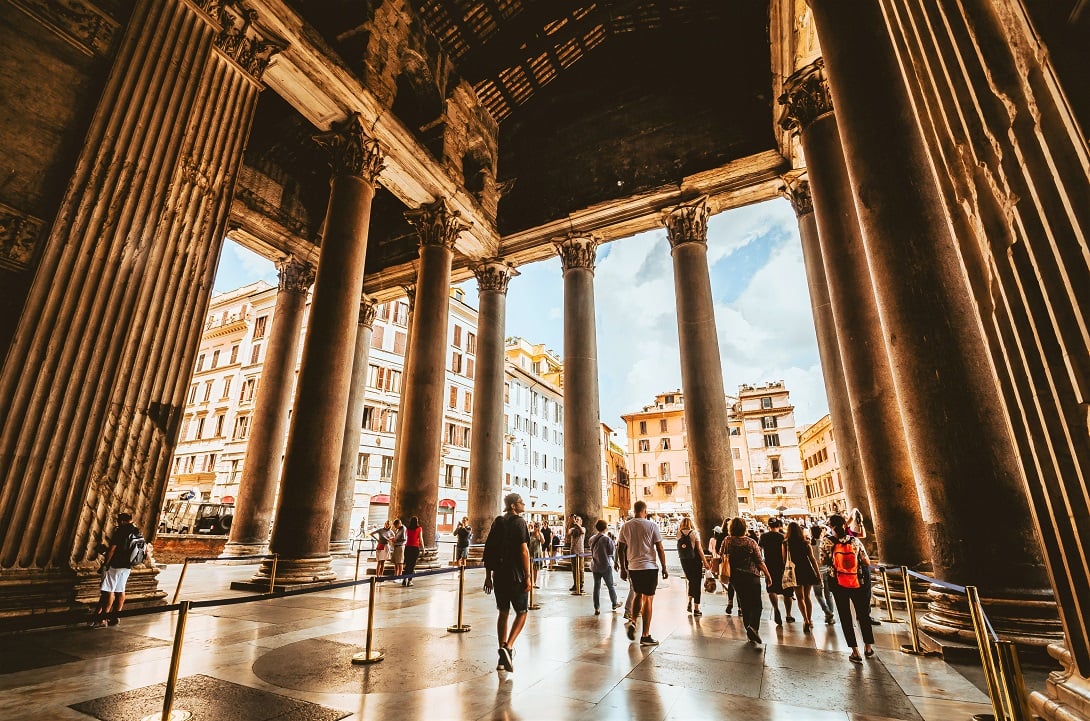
x,y
234,549
35,597
1030,619
1067,694
340,549
296,571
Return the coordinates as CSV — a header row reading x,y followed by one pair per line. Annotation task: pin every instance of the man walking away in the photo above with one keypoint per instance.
x,y
126,547
636,548
602,552
507,572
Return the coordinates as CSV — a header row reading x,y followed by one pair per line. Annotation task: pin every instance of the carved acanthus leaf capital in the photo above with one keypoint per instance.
x,y
493,275
351,150
797,191
687,223
577,251
296,276
368,311
806,97
241,38
436,224
410,295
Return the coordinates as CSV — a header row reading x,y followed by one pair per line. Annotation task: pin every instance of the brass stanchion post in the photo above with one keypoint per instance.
x,y
889,595
987,658
1012,682
460,627
272,576
356,577
169,713
181,577
369,656
913,648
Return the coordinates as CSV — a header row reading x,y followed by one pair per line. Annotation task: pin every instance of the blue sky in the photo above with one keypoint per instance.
x,y
765,327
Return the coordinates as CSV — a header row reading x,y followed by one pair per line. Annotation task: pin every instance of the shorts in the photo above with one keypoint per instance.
x,y
114,580
398,556
381,554
511,596
461,553
644,582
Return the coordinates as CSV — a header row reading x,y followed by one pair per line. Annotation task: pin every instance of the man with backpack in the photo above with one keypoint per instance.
x,y
126,549
507,572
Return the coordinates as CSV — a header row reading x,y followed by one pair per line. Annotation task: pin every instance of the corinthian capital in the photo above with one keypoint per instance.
x,y
436,224
410,295
368,311
493,275
577,251
351,150
806,97
798,192
296,276
241,38
687,223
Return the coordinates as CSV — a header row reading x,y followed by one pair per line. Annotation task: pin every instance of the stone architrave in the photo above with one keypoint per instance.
x,y
125,276
308,488
268,429
872,396
582,420
414,492
486,444
341,532
711,470
959,445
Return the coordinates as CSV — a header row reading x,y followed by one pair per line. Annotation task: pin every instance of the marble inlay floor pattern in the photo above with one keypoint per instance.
x,y
291,658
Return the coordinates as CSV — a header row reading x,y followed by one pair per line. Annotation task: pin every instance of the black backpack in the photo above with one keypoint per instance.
x,y
494,544
685,546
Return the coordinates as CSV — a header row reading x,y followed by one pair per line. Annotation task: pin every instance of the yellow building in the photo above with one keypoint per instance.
x,y
821,468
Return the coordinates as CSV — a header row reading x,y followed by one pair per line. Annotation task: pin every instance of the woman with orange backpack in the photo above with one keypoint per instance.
x,y
843,552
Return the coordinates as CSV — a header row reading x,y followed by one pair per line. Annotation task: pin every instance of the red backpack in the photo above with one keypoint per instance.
x,y
846,563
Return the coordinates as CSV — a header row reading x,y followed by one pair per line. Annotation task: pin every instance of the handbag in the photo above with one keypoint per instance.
x,y
709,583
788,580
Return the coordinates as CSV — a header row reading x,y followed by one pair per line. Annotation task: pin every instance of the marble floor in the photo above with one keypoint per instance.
x,y
289,658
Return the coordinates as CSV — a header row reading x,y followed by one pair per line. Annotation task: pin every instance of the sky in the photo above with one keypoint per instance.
x,y
762,309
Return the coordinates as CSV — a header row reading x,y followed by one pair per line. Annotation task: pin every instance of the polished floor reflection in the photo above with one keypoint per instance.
x,y
290,659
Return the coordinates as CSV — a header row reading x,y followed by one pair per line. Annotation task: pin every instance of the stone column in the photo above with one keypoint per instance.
x,y
341,533
875,407
832,370
410,295
415,490
711,471
261,471
582,422
486,443
960,449
115,312
308,489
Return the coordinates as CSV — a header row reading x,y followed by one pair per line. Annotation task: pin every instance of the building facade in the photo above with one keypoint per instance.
x,y
821,469
764,417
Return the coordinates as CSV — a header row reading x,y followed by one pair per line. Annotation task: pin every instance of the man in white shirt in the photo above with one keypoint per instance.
x,y
637,545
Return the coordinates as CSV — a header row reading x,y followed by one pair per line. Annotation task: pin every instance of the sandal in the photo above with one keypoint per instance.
x,y
869,654
855,659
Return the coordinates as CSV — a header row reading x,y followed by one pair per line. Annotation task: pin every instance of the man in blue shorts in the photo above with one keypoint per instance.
x,y
507,572
637,545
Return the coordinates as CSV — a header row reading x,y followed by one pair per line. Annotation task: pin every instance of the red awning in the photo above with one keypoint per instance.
x,y
382,499
447,503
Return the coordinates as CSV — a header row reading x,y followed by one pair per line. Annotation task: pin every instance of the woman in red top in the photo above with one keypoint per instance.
x,y
414,546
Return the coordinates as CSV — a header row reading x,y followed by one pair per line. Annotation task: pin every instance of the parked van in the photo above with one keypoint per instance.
x,y
213,519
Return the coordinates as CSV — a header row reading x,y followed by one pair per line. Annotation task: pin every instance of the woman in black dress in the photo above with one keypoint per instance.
x,y
797,549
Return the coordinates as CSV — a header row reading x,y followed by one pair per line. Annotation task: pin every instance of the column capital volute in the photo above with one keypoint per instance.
x,y
241,37
797,190
296,276
493,275
368,311
806,97
410,295
436,224
351,150
687,223
577,250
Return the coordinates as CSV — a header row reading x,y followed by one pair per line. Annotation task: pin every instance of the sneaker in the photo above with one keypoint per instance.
x,y
630,630
596,612
752,635
96,624
829,620
505,659
739,611
689,606
875,622
790,619
616,606
730,608
113,621
648,641
779,618
697,612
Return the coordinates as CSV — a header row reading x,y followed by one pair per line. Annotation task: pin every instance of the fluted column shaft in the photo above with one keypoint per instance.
x,y
261,470
340,535
308,489
582,421
415,490
832,370
711,470
399,423
875,406
114,315
959,447
486,444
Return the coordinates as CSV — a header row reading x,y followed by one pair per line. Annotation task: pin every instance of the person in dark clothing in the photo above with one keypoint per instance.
x,y
742,563
115,574
772,545
464,534
507,572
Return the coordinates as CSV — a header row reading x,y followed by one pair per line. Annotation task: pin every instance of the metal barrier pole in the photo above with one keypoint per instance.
x,y
460,627
356,577
168,713
272,576
889,595
1012,682
914,647
181,577
976,612
369,656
